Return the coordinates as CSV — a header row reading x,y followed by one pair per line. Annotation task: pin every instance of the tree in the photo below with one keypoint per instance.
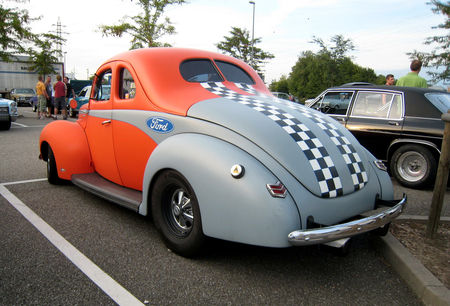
x,y
240,46
330,66
440,56
15,32
144,28
281,85
45,55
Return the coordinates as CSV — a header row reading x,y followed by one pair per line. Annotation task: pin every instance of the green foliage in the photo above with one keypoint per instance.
x,y
15,33
45,55
282,85
315,72
145,29
239,45
17,38
440,57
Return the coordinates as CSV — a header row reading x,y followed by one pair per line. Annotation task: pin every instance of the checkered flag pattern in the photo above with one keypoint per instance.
x,y
351,157
246,88
320,161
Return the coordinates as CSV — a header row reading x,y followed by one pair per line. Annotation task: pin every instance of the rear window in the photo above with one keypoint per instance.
x,y
234,73
199,70
440,100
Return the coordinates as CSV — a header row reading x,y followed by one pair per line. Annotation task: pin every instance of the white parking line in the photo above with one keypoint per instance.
x,y
118,293
19,124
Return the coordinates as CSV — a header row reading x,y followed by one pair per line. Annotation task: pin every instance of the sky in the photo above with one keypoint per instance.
x,y
383,31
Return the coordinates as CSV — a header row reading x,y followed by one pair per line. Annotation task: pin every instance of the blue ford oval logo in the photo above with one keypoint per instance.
x,y
159,124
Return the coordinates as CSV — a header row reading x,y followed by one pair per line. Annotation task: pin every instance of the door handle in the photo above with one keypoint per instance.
x,y
393,123
106,122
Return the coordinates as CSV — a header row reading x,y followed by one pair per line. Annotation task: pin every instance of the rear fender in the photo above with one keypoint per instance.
x,y
234,209
69,145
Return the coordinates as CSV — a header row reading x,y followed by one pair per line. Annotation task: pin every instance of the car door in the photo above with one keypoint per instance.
x,y
376,119
99,127
132,146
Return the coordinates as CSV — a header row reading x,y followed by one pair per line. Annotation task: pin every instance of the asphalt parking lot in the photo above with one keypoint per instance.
x,y
61,245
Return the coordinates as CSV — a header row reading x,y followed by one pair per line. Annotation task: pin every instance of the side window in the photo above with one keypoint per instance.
x,y
377,105
234,73
127,88
335,102
103,86
199,70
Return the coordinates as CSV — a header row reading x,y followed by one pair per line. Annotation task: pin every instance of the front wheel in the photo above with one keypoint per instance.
x,y
52,171
413,166
176,214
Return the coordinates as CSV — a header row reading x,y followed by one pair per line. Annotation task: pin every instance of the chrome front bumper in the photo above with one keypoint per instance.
x,y
346,230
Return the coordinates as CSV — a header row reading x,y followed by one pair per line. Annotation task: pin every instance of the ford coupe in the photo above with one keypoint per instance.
x,y
196,140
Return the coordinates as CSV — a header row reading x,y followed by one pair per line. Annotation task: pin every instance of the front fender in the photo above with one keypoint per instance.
x,y
69,145
240,210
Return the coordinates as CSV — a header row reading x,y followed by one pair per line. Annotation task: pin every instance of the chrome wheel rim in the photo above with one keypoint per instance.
x,y
180,213
412,166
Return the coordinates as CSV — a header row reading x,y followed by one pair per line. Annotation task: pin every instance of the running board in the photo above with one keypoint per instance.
x,y
94,183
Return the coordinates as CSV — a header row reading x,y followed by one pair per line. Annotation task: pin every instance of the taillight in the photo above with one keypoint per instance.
x,y
277,190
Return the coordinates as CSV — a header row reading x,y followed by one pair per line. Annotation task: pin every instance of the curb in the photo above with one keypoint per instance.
x,y
422,282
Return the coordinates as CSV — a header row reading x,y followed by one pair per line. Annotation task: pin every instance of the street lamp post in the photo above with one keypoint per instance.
x,y
253,32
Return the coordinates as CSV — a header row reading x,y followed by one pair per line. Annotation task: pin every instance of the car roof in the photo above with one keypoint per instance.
x,y
158,70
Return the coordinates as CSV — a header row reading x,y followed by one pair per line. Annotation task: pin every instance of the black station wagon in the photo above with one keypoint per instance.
x,y
400,125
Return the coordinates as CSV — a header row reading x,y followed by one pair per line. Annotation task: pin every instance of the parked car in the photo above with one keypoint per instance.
x,y
8,113
285,96
82,98
400,125
196,140
22,96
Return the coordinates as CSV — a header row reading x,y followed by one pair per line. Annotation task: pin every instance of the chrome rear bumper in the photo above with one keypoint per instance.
x,y
349,229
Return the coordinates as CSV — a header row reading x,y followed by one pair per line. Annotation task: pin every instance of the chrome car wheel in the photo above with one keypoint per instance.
x,y
413,166
176,213
180,213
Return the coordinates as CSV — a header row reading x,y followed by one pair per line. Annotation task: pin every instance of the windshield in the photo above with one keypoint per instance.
x,y
25,91
439,99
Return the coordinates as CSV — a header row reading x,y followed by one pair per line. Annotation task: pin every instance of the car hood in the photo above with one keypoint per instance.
x,y
5,102
319,152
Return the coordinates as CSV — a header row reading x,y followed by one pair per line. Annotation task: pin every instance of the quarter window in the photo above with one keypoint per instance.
x,y
127,88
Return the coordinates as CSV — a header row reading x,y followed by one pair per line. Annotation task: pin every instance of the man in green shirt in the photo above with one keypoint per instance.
x,y
413,79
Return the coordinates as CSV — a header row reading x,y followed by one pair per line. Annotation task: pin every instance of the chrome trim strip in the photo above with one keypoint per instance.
x,y
345,230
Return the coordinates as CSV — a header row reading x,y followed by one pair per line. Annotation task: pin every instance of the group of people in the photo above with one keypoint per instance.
x,y
53,97
412,79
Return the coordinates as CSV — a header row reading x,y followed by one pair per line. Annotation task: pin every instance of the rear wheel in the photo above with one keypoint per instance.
x,y
413,166
176,214
52,171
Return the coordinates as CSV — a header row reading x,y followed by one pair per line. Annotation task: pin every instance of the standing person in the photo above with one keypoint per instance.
x,y
390,80
42,97
70,91
49,88
412,79
60,97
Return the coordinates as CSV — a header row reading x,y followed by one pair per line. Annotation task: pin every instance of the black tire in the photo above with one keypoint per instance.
x,y
414,166
52,171
5,125
176,214
72,113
